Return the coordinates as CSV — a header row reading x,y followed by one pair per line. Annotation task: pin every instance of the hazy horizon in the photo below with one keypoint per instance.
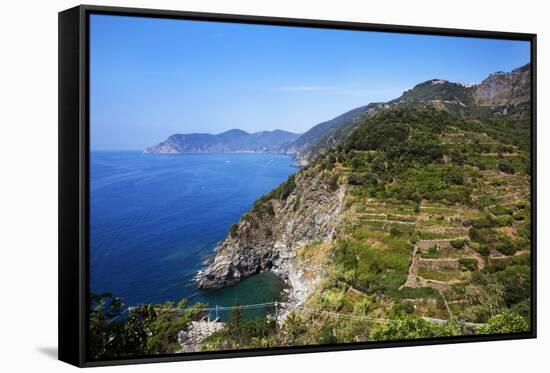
x,y
151,78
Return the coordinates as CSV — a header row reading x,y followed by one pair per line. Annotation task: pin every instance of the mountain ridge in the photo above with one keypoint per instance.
x,y
231,141
501,93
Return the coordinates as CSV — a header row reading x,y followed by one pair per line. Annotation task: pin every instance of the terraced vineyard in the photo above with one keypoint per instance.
x,y
449,243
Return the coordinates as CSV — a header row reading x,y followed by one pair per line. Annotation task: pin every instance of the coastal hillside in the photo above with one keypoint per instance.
x,y
416,214
231,141
499,94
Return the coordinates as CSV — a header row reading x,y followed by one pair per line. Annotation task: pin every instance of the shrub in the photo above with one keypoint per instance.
x,y
506,247
484,222
482,249
333,182
503,221
281,192
468,264
325,335
364,306
398,231
458,244
361,179
498,210
504,165
516,280
378,135
504,323
333,299
233,230
412,327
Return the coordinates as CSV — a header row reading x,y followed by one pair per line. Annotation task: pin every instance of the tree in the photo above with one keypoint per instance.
x,y
103,331
458,244
116,331
378,165
457,157
294,330
504,323
325,334
504,165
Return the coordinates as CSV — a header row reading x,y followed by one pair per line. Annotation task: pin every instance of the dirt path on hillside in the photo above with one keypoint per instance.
x,y
411,277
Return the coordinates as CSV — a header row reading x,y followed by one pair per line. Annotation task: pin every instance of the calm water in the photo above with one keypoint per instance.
x,y
155,220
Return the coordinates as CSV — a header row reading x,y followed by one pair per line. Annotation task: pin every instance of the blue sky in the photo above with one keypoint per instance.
x,y
151,78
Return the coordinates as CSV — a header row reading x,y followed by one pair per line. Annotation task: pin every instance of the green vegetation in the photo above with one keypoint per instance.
x,y
145,330
468,264
504,165
504,323
373,269
501,287
458,244
241,333
282,192
233,229
414,327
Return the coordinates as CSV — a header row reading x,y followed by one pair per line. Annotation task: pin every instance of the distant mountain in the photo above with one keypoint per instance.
x,y
499,94
231,141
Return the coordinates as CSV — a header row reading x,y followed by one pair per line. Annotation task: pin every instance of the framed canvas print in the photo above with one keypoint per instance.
x,y
233,186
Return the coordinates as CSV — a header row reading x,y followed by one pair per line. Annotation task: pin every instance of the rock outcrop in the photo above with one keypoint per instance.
x,y
305,209
500,89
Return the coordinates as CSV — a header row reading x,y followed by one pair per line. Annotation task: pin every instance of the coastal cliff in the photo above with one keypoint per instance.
x,y
304,209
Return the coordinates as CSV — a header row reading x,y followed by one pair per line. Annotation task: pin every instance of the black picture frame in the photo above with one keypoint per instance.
x,y
74,179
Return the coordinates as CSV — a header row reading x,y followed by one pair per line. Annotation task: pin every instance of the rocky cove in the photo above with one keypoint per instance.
x,y
304,209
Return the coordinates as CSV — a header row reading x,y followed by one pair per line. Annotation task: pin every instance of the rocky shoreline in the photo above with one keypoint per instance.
x,y
268,238
297,287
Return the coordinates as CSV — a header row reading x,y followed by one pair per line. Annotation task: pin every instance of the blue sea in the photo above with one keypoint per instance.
x,y
156,219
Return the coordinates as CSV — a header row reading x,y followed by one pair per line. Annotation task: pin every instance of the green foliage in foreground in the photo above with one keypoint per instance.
x,y
504,323
152,329
146,330
240,333
414,327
